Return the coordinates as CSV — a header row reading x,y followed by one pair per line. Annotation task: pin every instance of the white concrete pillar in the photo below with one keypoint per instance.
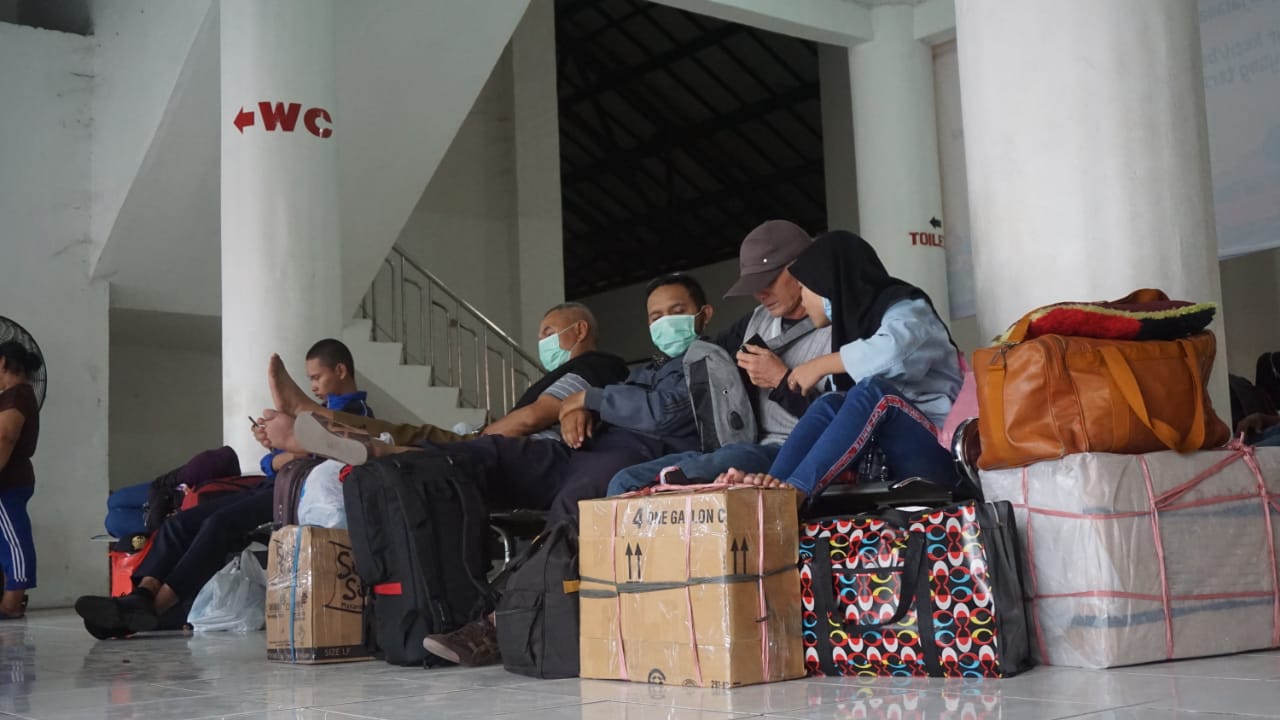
x,y
896,147
281,249
1088,156
539,227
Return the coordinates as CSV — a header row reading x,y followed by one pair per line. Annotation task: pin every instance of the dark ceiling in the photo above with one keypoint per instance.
x,y
678,134
69,16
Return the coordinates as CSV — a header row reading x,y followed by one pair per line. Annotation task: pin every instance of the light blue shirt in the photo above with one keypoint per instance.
x,y
913,352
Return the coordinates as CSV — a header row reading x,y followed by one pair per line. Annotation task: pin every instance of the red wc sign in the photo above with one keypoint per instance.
x,y
282,117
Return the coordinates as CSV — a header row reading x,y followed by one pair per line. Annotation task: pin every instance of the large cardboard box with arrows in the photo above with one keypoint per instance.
x,y
691,588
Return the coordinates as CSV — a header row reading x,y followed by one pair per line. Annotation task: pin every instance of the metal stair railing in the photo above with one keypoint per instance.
x,y
409,305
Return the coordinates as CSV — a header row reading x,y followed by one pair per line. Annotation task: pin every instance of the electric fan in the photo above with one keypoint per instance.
x,y
10,330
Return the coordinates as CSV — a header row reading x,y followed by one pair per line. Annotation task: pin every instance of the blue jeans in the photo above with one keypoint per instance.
x,y
838,428
17,546
747,457
1268,438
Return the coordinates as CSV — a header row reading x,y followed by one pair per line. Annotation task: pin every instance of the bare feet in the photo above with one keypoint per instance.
x,y
275,431
764,480
288,397
734,476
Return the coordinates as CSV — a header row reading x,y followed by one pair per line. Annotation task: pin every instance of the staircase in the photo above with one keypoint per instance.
x,y
425,355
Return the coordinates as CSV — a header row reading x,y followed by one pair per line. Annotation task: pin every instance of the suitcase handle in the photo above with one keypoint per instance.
x,y
1122,375
912,567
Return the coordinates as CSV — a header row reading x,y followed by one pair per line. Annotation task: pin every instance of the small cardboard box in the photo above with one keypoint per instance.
x,y
691,588
314,598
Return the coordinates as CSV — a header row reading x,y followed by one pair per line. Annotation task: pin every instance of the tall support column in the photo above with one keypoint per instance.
x,y
1088,155
281,245
539,227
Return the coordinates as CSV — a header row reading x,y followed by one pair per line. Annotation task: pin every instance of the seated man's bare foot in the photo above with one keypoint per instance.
x,y
763,480
732,476
277,429
288,397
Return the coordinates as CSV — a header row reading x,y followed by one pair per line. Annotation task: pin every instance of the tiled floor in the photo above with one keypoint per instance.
x,y
50,669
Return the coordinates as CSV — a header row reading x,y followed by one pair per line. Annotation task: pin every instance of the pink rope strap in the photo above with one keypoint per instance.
x,y
617,596
765,655
1167,502
1031,570
1268,502
665,488
688,588
1165,603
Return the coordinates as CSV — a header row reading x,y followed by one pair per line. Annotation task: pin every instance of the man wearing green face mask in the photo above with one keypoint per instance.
x,y
649,415
567,350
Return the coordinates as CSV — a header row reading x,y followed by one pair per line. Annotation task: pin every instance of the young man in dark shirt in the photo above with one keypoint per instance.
x,y
332,373
192,546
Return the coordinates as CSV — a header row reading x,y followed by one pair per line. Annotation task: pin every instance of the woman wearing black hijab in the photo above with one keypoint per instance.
x,y
893,359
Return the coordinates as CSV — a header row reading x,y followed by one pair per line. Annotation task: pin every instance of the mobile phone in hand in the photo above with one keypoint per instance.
x,y
755,340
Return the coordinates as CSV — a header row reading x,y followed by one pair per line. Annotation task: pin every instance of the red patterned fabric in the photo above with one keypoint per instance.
x,y
1167,320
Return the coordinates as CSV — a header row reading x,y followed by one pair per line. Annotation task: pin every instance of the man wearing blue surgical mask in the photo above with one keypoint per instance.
x,y
567,350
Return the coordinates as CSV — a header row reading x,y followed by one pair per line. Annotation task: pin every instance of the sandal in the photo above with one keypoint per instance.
x,y
332,440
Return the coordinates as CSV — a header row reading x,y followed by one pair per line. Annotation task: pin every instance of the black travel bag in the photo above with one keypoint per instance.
x,y
419,530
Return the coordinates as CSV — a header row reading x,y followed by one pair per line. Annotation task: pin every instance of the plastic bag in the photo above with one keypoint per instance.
x,y
234,600
321,503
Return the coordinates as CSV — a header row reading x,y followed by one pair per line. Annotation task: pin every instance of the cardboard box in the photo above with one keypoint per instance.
x,y
691,588
1113,583
314,598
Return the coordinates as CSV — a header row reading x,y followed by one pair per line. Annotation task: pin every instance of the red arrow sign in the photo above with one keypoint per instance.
x,y
243,119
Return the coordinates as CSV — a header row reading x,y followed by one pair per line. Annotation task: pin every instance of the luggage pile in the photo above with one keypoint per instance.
x,y
1114,522
1147,535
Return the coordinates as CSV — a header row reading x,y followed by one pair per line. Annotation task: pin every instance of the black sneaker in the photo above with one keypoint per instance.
x,y
102,633
132,613
471,645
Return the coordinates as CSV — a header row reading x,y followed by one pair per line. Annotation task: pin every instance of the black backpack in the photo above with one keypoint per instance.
x,y
419,530
537,616
721,404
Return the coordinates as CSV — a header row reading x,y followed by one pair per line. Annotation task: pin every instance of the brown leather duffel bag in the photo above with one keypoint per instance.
x,y
1054,395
